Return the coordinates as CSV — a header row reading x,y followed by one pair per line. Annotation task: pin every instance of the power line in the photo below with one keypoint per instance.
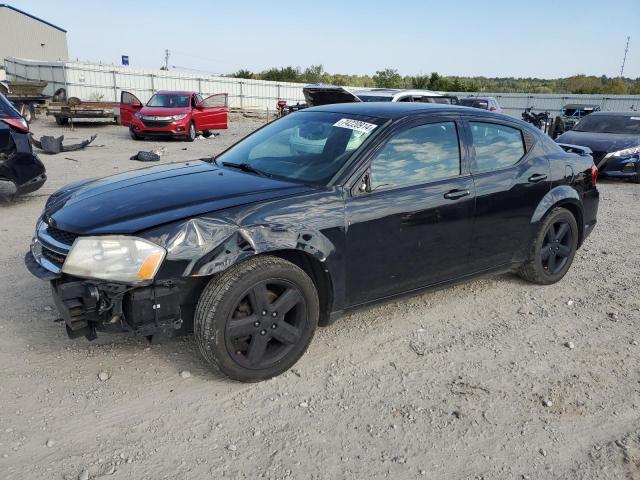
x,y
624,59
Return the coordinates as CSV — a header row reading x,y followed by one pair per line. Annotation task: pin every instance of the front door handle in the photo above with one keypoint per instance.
x,y
455,194
537,177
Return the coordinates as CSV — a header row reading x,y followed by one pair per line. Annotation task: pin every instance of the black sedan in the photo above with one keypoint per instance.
x,y
614,138
323,211
21,171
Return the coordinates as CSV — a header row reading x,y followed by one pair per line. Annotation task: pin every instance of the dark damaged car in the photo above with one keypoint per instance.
x,y
614,138
21,171
316,214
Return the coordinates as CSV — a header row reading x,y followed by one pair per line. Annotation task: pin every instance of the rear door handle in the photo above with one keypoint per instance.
x,y
455,194
537,177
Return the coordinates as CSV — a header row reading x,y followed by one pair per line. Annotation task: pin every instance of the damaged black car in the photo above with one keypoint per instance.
x,y
323,211
21,171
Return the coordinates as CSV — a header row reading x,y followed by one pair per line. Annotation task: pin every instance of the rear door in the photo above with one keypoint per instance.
x,y
129,105
412,226
511,176
212,112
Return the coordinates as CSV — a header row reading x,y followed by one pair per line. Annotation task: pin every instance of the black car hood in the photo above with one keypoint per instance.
x,y
600,142
141,199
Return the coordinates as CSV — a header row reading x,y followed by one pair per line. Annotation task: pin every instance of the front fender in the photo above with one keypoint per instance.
x,y
562,194
204,246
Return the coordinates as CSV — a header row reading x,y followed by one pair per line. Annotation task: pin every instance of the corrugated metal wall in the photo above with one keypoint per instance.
x,y
26,37
105,82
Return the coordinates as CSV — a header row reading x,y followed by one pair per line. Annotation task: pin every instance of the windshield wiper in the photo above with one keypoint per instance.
x,y
245,167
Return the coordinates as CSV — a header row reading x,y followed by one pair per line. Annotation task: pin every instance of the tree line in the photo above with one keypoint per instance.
x,y
391,78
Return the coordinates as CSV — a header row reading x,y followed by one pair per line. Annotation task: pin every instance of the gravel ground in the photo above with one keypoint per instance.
x,y
493,379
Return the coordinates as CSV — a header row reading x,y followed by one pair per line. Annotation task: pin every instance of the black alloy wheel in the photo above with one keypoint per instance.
x,y
553,248
556,248
266,324
192,133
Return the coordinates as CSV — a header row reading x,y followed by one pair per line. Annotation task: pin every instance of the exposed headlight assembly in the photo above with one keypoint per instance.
x,y
627,152
116,258
178,117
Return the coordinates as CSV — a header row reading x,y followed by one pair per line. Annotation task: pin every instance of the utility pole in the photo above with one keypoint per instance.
x,y
624,59
166,59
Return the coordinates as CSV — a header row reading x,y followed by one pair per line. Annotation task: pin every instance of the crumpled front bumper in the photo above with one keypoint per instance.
x,y
626,167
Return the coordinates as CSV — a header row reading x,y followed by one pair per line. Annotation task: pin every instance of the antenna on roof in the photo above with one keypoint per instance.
x,y
624,59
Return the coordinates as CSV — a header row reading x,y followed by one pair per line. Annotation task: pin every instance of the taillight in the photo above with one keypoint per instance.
x,y
594,175
17,123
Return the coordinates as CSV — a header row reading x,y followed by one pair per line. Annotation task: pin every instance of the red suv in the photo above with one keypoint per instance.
x,y
174,114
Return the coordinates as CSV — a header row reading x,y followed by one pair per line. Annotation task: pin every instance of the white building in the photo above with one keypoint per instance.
x,y
23,35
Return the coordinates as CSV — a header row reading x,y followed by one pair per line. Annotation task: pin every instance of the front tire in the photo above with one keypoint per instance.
x,y
256,319
192,133
134,135
553,248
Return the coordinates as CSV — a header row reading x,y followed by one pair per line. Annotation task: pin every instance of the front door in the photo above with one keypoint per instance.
x,y
211,113
411,226
129,105
511,177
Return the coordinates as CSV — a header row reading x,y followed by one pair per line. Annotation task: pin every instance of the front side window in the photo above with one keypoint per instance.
x,y
417,155
308,147
496,146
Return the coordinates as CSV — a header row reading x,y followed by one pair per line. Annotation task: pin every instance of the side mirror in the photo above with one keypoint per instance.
x,y
199,106
365,184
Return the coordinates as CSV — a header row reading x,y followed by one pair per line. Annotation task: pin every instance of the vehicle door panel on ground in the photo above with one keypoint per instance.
x,y
510,181
129,105
212,112
413,226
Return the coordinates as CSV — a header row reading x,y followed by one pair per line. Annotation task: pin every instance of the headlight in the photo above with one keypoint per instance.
x,y
178,117
117,258
137,115
627,152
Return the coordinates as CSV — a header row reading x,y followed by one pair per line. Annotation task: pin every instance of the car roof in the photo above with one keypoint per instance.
x,y
177,92
473,97
394,110
385,92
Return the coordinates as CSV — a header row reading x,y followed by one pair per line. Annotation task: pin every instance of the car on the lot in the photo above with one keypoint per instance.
x,y
174,114
573,112
21,171
403,95
485,103
256,247
614,138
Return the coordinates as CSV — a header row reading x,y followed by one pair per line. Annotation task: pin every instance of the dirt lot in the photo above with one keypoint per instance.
x,y
472,382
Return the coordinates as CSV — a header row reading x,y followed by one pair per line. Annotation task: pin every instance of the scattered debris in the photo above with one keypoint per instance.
x,y
525,310
84,475
50,443
569,345
72,159
570,303
547,403
231,447
53,145
185,374
459,387
152,155
103,376
303,405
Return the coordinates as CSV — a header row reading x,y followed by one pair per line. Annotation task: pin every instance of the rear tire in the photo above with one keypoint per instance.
x,y
553,248
256,319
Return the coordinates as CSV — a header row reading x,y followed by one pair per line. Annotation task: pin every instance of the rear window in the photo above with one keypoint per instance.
x,y
610,124
374,98
6,109
475,103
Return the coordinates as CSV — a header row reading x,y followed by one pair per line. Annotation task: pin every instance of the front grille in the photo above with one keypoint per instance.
x,y
155,123
61,236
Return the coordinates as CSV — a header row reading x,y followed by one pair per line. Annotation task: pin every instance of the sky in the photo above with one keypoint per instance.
x,y
493,38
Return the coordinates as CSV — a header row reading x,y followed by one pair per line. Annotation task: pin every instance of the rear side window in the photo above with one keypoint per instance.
x,y
496,146
417,155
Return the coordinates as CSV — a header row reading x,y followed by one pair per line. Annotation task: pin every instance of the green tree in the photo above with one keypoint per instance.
x,y
387,78
282,74
313,74
242,73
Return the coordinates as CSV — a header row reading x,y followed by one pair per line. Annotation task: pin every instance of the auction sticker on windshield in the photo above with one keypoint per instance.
x,y
356,125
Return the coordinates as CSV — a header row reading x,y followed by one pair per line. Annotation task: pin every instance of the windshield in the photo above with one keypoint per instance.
x,y
577,112
169,100
307,147
6,109
374,98
609,124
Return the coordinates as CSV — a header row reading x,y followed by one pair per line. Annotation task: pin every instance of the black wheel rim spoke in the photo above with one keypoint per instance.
x,y
551,263
286,301
562,232
242,327
286,333
257,349
259,298
551,234
545,252
563,251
